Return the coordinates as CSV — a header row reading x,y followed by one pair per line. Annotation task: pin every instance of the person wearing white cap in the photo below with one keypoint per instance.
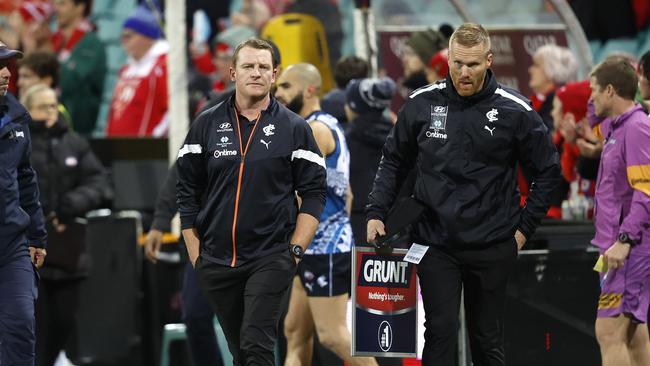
x,y
22,230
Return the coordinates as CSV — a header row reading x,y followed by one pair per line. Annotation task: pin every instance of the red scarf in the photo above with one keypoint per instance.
x,y
64,48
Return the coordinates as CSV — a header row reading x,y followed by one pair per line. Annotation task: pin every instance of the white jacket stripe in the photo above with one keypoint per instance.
x,y
189,149
515,99
308,155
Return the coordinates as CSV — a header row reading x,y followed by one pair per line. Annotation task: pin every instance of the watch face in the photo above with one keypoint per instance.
x,y
296,250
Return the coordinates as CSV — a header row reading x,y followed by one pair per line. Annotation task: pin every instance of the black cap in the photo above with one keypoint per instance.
x,y
6,52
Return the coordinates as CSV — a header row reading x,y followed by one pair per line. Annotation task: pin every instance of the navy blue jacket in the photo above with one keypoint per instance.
x,y
20,211
243,206
466,151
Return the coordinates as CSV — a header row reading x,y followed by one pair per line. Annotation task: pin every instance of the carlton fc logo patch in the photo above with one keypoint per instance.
x,y
492,115
269,130
438,118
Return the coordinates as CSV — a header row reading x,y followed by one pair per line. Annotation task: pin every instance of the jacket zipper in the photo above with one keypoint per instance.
x,y
243,151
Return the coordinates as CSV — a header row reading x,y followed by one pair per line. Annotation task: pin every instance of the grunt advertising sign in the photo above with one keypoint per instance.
x,y
384,298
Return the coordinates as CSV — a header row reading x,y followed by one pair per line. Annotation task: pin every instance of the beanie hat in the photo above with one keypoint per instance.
x,y
426,43
143,21
228,39
574,98
366,95
439,62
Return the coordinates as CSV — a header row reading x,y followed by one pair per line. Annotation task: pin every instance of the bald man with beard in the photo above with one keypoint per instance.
x,y
320,290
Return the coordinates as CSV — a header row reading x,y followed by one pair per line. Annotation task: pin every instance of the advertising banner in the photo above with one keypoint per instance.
x,y
384,299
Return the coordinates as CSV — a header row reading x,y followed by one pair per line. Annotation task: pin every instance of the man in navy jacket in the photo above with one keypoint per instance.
x,y
22,234
239,171
465,137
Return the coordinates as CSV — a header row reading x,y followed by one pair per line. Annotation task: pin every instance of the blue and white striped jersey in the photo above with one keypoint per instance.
x,y
334,233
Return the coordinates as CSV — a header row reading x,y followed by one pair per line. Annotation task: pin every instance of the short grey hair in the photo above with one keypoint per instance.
x,y
559,63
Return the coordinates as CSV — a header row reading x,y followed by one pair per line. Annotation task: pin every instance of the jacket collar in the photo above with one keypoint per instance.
x,y
271,109
16,112
625,116
58,129
9,104
489,87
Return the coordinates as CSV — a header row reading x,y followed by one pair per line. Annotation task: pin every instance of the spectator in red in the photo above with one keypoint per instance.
x,y
139,105
35,16
440,63
569,112
26,27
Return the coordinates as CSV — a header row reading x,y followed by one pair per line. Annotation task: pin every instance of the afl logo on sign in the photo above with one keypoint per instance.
x,y
385,336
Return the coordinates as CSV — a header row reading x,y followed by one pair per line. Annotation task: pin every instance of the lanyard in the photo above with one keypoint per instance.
x,y
243,150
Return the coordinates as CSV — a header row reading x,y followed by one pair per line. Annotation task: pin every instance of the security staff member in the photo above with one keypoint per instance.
x,y
22,233
239,171
465,136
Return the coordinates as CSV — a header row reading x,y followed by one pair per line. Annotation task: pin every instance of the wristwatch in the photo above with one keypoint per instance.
x,y
625,238
296,250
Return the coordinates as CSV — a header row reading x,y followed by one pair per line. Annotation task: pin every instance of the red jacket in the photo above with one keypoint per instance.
x,y
139,105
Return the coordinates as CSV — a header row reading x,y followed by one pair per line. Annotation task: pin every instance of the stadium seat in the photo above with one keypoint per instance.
x,y
171,333
627,45
177,332
595,46
644,42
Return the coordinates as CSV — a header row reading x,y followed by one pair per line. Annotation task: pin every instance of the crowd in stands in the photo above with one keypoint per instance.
x,y
61,79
